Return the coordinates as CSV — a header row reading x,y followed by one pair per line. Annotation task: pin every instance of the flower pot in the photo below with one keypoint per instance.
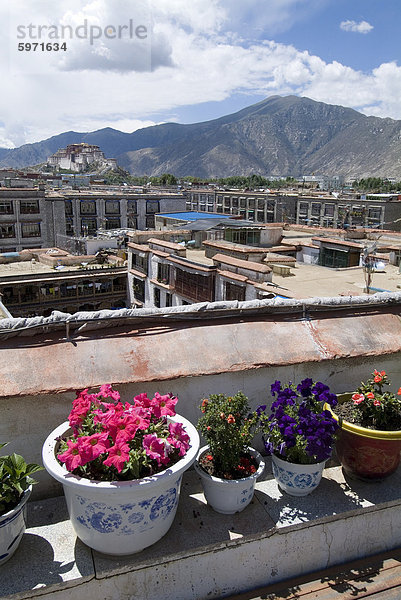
x,y
367,454
121,517
297,480
229,496
12,527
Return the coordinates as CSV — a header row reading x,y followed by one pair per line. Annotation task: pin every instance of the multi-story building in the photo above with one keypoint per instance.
x,y
163,273
47,280
28,219
86,211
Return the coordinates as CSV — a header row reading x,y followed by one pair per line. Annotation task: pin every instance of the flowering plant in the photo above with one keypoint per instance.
x,y
375,408
299,429
15,478
229,428
114,441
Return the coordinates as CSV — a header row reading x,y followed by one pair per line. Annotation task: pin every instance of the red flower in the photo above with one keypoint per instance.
x,y
378,378
72,457
230,419
399,392
118,456
209,457
358,398
370,395
377,402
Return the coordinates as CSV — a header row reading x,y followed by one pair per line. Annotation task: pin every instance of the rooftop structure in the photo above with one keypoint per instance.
x,y
78,157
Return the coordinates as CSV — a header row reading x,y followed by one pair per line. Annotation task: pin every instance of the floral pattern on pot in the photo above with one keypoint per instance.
x,y
12,528
127,519
297,480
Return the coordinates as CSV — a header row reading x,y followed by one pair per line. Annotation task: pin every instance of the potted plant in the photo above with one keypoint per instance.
x,y
228,467
15,488
299,434
369,442
121,467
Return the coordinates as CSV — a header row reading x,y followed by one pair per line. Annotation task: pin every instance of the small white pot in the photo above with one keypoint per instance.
x,y
12,527
297,480
121,517
229,496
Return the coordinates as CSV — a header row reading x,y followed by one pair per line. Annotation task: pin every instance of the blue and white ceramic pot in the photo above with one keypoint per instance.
x,y
12,527
229,496
121,517
297,480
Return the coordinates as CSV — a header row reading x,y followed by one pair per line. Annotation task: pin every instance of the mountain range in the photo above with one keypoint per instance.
x,y
279,136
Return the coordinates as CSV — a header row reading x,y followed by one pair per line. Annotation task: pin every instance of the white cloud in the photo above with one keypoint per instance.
x,y
361,27
200,57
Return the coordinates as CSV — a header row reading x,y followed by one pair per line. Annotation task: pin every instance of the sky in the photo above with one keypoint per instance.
x,y
129,64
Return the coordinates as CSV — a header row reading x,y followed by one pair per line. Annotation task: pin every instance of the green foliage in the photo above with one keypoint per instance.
x,y
375,408
229,427
15,478
376,184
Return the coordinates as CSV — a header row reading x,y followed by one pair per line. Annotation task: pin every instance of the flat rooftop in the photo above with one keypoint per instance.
x,y
193,215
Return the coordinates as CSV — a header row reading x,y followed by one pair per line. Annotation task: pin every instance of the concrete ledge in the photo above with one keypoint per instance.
x,y
206,555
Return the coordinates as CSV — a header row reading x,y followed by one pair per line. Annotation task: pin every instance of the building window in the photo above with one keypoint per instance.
x,y
68,207
113,223
235,292
29,207
6,207
88,207
30,229
169,299
156,297
163,273
7,231
315,211
69,226
112,207
140,262
303,208
131,207
196,287
329,210
139,289
150,221
152,206
88,226
132,222
243,236
375,213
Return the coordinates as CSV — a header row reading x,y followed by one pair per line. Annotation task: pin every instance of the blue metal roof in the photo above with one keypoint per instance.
x,y
193,215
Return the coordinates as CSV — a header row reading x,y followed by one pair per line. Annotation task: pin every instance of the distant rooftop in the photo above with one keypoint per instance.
x,y
193,215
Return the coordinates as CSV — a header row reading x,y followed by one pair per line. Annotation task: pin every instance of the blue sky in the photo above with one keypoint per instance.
x,y
209,57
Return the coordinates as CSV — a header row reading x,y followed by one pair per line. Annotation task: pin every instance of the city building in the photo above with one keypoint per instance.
x,y
38,281
78,157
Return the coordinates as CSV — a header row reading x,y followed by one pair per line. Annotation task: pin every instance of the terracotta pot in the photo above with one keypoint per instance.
x,y
367,454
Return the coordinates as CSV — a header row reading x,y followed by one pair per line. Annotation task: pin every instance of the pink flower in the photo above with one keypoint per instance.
x,y
118,456
178,438
122,428
358,398
72,457
370,395
155,448
377,402
92,446
142,400
106,391
163,405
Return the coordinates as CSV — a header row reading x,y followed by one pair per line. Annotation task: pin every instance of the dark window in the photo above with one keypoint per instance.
x,y
112,207
150,221
315,212
196,287
329,210
132,222
375,213
30,229
6,207
28,207
88,207
163,273
68,207
169,299
7,231
113,223
88,226
139,289
131,207
69,226
303,208
152,206
140,262
235,202
156,297
235,292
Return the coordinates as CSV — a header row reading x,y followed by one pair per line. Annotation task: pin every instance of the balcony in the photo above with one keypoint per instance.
x,y
233,346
